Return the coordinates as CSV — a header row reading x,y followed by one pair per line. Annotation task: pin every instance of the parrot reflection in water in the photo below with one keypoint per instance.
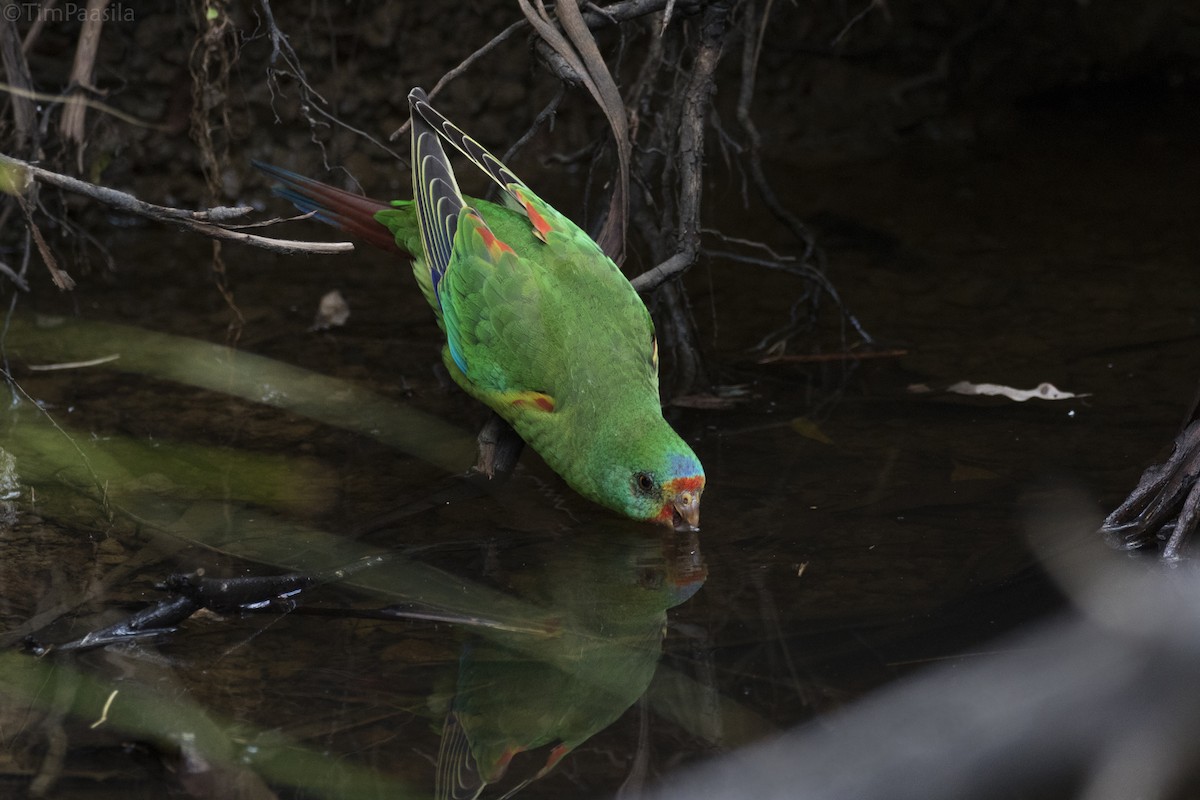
x,y
544,695
541,326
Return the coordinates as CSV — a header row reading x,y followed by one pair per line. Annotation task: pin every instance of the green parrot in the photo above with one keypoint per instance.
x,y
520,701
541,326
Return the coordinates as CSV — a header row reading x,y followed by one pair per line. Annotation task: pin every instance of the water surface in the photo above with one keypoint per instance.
x,y
853,530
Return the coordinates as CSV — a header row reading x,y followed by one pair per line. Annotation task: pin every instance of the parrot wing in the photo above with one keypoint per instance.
x,y
491,299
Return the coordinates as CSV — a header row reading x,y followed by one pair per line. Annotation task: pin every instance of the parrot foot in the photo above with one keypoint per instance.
x,y
499,449
1165,505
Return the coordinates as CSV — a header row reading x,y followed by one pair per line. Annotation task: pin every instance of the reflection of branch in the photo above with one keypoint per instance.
x,y
210,223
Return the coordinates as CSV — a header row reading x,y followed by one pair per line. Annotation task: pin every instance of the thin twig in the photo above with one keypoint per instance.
x,y
61,279
750,56
311,99
546,113
631,9
93,362
804,270
857,18
116,113
748,243
35,29
461,68
821,358
8,272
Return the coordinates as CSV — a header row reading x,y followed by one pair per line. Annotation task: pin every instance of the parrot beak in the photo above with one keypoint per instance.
x,y
687,511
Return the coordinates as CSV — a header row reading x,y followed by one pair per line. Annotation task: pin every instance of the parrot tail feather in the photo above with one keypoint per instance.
x,y
458,775
344,210
492,166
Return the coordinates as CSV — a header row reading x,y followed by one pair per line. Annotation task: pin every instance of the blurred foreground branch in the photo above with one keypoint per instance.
x,y
1102,701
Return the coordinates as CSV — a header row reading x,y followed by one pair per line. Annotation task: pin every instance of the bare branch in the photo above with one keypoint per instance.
x,y
61,279
35,29
75,113
17,70
697,97
204,222
857,18
603,88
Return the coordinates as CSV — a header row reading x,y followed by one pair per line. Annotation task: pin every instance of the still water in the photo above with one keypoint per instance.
x,y
853,529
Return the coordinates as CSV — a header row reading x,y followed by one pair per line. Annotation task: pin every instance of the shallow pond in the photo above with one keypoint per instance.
x,y
853,529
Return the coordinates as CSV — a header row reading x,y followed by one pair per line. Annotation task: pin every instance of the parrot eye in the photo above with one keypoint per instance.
x,y
644,482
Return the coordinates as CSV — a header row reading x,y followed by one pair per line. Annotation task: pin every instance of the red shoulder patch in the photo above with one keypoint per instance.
x,y
495,246
540,226
537,400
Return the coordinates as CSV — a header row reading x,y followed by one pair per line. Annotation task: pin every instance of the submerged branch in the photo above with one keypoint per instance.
x,y
209,222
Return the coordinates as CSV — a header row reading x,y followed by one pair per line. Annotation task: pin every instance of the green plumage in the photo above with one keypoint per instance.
x,y
545,694
558,327
541,326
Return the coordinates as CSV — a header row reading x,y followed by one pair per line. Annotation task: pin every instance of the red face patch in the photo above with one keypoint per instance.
x,y
693,483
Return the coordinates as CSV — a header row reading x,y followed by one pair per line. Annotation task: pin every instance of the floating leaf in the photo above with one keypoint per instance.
x,y
1043,391
966,472
809,429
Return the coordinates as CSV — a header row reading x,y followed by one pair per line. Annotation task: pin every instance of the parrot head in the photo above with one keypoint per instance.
x,y
655,477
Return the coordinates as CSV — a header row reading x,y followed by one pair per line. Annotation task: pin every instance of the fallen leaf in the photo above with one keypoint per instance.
x,y
1043,391
332,311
